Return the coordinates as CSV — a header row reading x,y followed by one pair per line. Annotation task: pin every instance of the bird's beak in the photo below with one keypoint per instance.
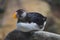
x,y
15,15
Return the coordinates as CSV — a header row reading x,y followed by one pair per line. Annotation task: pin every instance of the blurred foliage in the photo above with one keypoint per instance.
x,y
53,1
2,10
3,4
56,1
55,4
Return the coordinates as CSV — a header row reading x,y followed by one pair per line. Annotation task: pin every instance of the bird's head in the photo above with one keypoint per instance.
x,y
19,14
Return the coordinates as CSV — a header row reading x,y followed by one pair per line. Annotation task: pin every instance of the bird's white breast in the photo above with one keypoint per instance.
x,y
25,27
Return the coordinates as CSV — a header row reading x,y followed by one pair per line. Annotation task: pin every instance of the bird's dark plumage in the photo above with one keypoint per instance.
x,y
35,18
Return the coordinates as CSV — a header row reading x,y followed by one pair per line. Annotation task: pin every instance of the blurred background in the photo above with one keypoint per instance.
x,y
48,8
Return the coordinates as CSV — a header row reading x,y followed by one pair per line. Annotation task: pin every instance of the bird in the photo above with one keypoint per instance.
x,y
30,21
27,23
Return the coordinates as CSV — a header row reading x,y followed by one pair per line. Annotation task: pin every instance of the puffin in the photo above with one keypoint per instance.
x,y
27,24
